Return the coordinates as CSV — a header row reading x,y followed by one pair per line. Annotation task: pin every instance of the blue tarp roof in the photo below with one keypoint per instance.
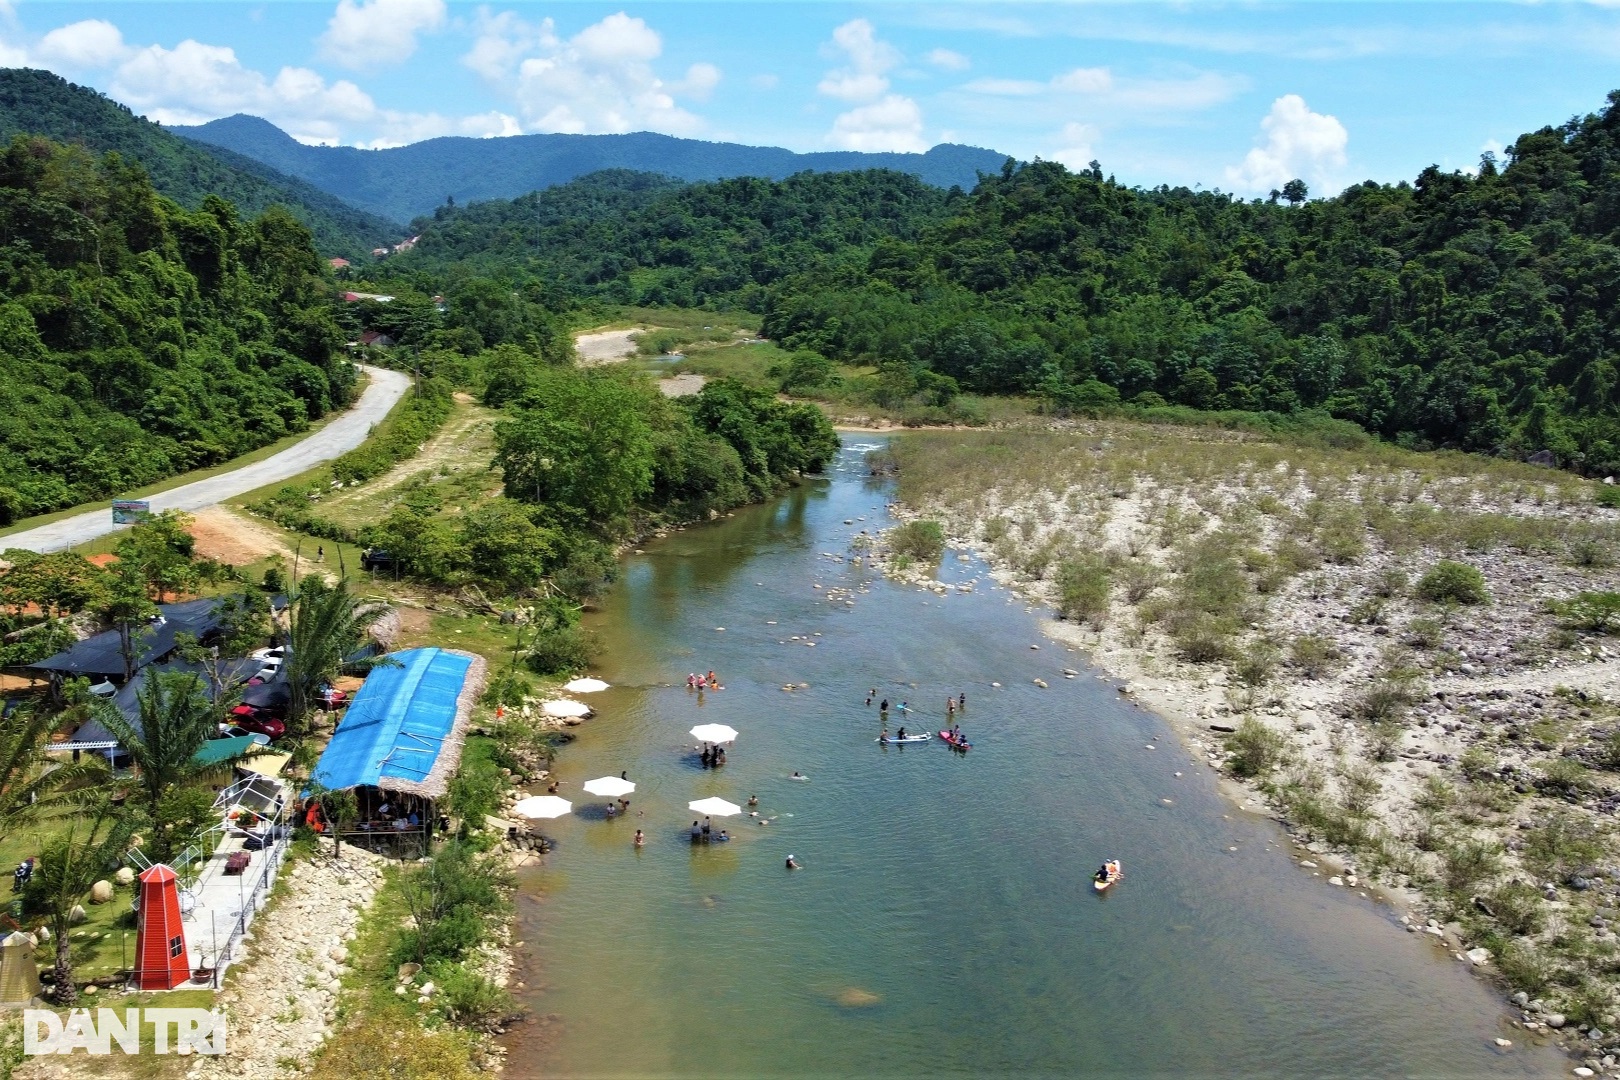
x,y
398,722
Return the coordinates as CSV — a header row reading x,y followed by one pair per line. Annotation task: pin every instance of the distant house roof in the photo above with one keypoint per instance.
x,y
379,252
405,727
100,654
381,298
377,338
127,700
337,264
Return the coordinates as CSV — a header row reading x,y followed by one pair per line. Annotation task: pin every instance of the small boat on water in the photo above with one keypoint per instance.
x,y
924,737
956,742
1111,872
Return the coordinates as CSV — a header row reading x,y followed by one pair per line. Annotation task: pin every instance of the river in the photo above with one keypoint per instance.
x,y
943,922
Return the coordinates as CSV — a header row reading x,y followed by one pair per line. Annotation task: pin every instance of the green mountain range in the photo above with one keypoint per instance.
x,y
406,181
39,103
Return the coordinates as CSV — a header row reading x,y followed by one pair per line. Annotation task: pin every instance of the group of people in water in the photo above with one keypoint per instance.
x,y
705,834
703,682
953,705
712,757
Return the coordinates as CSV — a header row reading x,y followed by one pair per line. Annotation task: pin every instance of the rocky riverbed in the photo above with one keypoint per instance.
x,y
1276,607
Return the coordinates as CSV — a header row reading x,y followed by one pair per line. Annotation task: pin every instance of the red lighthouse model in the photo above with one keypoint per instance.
x,y
160,944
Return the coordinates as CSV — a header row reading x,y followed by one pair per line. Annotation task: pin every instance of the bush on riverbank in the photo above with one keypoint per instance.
x,y
923,541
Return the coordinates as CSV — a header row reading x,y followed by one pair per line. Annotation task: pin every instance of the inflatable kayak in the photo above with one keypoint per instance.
x,y
924,737
955,742
1107,877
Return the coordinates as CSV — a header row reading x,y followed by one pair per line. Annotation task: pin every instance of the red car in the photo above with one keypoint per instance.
x,y
258,721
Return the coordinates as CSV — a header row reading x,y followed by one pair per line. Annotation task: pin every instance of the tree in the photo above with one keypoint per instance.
x,y
161,549
1295,192
33,787
327,624
90,848
175,719
580,444
126,605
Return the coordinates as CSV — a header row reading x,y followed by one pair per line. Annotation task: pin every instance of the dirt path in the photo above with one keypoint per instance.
x,y
465,444
681,385
606,346
230,538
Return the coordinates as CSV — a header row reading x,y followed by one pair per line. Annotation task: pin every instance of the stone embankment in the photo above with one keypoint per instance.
x,y
282,1002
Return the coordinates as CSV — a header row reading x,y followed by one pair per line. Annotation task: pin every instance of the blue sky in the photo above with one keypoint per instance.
x,y
1239,96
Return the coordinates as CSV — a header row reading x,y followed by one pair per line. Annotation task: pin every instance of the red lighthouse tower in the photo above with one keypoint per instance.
x,y
160,942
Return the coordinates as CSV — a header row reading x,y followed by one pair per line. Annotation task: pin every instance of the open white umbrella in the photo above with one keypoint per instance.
x,y
714,807
609,787
714,733
542,806
564,707
585,686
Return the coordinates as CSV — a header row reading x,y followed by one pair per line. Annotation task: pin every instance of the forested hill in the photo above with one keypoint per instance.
x,y
1473,311
405,181
634,237
40,103
139,339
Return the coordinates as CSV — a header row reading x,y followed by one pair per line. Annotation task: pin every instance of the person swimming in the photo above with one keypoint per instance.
x,y
753,800
797,775
640,839
792,863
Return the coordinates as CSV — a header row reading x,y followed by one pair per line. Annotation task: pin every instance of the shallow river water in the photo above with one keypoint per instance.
x,y
943,922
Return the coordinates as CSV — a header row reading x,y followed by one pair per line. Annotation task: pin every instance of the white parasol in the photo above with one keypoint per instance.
x,y
609,787
564,707
714,733
585,686
714,807
542,806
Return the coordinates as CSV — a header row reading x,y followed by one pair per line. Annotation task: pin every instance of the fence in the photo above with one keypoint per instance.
x,y
253,898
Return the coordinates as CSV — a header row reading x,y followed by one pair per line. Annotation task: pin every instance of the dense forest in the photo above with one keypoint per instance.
x,y
39,103
139,339
1465,310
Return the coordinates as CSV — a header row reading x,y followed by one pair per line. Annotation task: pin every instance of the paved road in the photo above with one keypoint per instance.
x,y
340,436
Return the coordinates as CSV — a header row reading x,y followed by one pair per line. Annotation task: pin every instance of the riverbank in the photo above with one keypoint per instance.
x,y
1280,606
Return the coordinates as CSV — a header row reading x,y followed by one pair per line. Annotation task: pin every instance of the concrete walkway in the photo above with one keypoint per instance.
x,y
339,437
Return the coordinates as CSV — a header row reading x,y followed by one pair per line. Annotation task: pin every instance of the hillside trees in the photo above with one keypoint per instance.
x,y
139,339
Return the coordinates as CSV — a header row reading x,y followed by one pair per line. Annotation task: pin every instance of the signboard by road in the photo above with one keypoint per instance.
x,y
131,511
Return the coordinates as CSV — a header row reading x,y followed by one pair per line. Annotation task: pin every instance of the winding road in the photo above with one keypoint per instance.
x,y
338,437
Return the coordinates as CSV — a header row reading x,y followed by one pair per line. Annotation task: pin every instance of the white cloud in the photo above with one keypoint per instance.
x,y
194,82
599,81
1297,143
700,81
502,42
1006,87
947,60
1075,146
895,123
91,44
372,33
867,60
1085,81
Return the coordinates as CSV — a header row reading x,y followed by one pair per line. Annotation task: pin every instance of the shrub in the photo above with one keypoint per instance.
x,y
1203,638
1424,633
1607,495
561,650
1084,587
1517,906
1450,582
452,898
1590,612
1256,749
1139,578
467,998
1314,655
1468,862
1560,844
1257,663
1565,777
380,1047
920,540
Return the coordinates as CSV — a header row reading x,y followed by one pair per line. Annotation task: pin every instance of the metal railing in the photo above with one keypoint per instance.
x,y
253,900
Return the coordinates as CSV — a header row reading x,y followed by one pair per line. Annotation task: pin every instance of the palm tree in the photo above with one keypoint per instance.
x,y
33,787
175,719
327,624
89,849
